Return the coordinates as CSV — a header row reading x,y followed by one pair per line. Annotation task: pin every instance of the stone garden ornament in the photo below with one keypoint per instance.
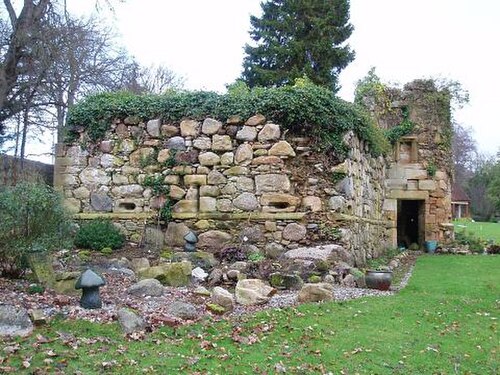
x,y
191,240
90,282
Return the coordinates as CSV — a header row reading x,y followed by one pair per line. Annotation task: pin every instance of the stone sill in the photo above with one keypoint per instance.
x,y
189,215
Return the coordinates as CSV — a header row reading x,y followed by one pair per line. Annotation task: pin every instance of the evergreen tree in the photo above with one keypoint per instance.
x,y
296,38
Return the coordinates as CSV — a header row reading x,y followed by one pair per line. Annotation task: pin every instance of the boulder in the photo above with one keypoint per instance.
x,y
153,127
281,148
253,292
211,126
174,235
176,143
215,277
146,287
182,310
213,240
14,321
270,132
294,232
315,293
258,119
222,297
172,274
246,202
328,253
129,321
190,128
138,264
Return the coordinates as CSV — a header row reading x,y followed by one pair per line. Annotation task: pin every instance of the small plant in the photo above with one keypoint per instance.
x,y
157,185
167,254
148,159
493,249
431,169
106,251
338,176
170,162
256,257
314,279
166,211
98,234
414,246
36,289
329,232
231,254
84,255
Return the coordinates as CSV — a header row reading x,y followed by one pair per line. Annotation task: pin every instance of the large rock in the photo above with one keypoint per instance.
x,y
247,133
213,240
93,177
281,148
129,321
294,232
243,154
153,127
327,253
101,202
127,191
140,156
174,235
176,143
315,293
271,183
216,178
273,250
253,292
258,119
139,264
211,126
223,298
172,274
14,321
202,143
270,132
209,159
65,283
246,202
146,287
190,128
41,265
182,310
221,143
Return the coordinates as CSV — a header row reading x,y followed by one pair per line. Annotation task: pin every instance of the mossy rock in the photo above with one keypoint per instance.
x,y
285,281
314,279
171,274
215,308
200,259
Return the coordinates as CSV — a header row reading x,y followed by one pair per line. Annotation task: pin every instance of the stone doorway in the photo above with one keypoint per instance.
x,y
410,222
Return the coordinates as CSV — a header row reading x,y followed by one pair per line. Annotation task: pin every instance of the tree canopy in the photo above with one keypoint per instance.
x,y
297,38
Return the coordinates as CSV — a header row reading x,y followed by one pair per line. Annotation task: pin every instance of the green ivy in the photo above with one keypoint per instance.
x,y
404,128
303,109
157,185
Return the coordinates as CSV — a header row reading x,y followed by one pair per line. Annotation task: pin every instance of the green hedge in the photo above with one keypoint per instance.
x,y
303,109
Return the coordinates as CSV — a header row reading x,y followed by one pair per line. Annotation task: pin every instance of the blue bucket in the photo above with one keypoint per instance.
x,y
431,246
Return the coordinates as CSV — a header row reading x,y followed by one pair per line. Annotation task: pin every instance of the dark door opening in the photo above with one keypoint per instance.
x,y
410,222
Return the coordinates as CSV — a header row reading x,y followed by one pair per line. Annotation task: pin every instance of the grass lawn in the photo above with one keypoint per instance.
x,y
485,231
443,322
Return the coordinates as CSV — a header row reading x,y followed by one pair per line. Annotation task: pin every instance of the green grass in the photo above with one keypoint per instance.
x,y
443,322
484,230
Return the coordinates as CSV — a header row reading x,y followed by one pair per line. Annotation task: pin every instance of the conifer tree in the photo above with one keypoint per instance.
x,y
296,38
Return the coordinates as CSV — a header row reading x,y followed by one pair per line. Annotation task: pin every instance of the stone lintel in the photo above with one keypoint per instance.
x,y
408,194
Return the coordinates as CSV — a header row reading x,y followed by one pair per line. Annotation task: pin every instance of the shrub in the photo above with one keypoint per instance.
x,y
474,243
106,251
98,234
32,220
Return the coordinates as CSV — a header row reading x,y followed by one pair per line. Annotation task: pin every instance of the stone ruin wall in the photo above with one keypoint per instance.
x,y
241,183
409,175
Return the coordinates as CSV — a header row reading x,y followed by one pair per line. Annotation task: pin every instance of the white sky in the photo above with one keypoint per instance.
x,y
404,39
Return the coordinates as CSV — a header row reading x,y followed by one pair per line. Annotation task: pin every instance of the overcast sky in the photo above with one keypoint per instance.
x,y
404,39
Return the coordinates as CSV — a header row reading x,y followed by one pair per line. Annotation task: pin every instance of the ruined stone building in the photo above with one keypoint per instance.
x,y
247,181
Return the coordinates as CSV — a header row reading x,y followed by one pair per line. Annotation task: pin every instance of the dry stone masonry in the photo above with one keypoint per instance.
x,y
248,183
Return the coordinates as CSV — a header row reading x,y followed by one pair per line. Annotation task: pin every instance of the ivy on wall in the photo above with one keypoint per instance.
x,y
303,109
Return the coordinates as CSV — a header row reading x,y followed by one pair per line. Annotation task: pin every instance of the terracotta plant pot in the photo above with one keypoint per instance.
x,y
380,280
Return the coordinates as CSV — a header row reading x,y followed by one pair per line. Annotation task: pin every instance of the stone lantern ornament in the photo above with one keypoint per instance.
x,y
191,240
90,282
